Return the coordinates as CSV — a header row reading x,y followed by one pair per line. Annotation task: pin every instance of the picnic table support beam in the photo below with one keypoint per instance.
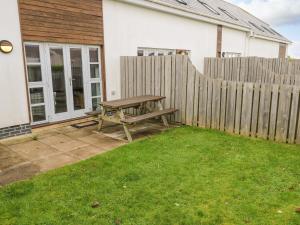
x,y
100,118
163,117
126,130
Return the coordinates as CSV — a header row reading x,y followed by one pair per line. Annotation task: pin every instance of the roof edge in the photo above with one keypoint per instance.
x,y
159,6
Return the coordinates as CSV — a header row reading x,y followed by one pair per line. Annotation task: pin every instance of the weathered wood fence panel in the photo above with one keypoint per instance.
x,y
254,69
256,109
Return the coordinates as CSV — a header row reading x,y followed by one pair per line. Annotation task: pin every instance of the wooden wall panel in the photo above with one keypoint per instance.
x,y
219,41
62,21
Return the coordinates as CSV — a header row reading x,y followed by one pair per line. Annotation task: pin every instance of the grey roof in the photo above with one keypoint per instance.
x,y
244,18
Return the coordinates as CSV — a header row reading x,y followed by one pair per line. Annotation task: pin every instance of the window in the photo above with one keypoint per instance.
x,y
35,83
95,76
231,54
229,14
182,2
209,7
257,27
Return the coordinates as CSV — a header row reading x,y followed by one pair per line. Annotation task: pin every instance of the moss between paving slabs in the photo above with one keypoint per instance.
x,y
184,176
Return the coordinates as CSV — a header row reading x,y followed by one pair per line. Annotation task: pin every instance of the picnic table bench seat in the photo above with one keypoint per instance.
x,y
136,119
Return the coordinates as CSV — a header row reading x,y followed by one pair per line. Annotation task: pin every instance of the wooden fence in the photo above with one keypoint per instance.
x,y
254,69
269,111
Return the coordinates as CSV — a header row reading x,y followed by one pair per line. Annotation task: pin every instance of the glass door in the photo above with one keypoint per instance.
x,y
77,80
64,81
59,84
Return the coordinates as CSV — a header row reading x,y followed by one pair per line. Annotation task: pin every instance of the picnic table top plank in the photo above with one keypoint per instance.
x,y
130,102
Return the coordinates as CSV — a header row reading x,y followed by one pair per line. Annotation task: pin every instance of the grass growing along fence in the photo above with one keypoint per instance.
x,y
269,111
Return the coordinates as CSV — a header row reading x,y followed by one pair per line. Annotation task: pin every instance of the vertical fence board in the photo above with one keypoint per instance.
x,y
238,108
255,109
216,103
246,109
196,99
202,104
184,88
230,107
295,109
190,94
283,113
223,105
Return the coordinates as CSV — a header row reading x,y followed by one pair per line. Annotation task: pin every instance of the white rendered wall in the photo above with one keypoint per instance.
x,y
13,100
127,27
234,41
263,48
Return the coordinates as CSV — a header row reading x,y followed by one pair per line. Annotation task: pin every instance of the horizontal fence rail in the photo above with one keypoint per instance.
x,y
269,111
254,69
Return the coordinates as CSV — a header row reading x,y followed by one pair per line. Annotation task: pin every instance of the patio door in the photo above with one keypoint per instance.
x,y
69,81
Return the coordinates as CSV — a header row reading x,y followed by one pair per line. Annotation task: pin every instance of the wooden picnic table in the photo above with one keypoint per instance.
x,y
113,111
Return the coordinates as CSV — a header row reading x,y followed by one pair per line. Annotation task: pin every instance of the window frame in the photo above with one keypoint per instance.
x,y
39,84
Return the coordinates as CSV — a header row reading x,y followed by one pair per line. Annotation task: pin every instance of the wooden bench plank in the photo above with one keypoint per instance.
x,y
131,120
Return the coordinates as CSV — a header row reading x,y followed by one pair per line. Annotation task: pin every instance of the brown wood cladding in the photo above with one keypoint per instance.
x,y
219,41
62,21
282,51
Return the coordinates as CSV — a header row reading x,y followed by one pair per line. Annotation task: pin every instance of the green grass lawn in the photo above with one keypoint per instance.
x,y
184,176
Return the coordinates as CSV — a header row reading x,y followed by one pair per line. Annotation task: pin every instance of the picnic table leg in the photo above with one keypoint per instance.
x,y
163,117
100,119
126,130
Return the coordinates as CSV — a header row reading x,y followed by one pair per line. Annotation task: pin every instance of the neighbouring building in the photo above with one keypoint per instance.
x,y
66,54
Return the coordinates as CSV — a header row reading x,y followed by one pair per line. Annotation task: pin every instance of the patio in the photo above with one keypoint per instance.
x,y
59,145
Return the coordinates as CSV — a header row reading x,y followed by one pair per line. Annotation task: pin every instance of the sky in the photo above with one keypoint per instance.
x,y
283,15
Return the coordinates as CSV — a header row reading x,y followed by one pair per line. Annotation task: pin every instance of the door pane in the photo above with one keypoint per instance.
x,y
95,72
96,90
32,53
38,113
34,73
58,80
96,103
94,55
36,96
77,78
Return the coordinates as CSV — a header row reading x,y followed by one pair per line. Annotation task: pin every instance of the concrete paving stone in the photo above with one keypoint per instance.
x,y
55,161
86,152
24,171
69,146
45,133
33,150
10,161
99,140
80,133
56,139
68,129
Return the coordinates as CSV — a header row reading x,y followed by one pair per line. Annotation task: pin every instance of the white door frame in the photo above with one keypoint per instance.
x,y
48,86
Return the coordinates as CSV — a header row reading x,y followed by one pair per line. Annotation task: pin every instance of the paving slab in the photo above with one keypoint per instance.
x,y
69,146
86,152
17,173
56,139
33,150
55,161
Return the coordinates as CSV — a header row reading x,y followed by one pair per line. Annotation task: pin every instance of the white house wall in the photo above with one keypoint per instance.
x,y
263,48
13,99
234,41
127,27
